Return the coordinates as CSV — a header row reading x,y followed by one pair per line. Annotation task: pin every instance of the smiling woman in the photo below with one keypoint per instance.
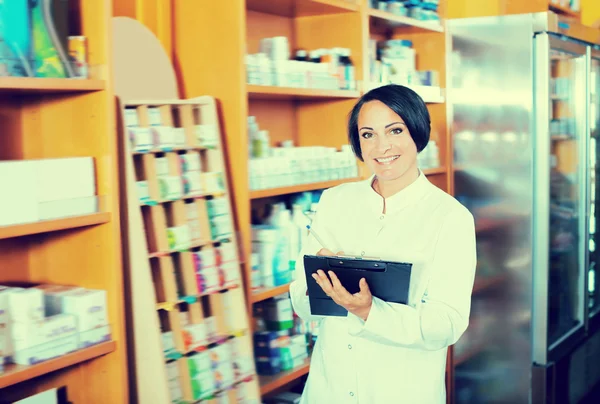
x,y
384,352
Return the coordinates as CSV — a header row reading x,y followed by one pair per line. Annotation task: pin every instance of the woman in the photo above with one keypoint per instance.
x,y
385,352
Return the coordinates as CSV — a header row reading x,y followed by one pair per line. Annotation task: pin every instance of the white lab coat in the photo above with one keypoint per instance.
x,y
399,354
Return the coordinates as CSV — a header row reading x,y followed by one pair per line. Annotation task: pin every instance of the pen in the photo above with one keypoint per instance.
x,y
316,236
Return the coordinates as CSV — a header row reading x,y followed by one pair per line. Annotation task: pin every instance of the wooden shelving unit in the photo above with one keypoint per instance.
x,y
183,263
32,85
564,10
14,374
256,92
302,8
47,226
58,118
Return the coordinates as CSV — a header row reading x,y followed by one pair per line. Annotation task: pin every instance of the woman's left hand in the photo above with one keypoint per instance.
x,y
358,304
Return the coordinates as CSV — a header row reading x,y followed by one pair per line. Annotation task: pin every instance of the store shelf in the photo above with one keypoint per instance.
x,y
391,21
267,293
16,85
434,171
564,10
270,383
302,8
256,92
173,149
14,374
198,244
265,193
53,225
423,91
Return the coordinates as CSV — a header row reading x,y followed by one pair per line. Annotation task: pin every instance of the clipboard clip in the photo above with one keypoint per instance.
x,y
355,257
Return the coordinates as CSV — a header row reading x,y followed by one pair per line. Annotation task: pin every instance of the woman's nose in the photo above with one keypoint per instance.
x,y
383,143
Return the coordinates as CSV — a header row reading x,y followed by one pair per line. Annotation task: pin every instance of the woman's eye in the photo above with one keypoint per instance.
x,y
397,131
367,135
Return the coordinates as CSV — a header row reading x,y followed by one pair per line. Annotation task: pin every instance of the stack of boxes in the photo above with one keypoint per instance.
x,y
277,347
48,321
174,385
221,223
216,269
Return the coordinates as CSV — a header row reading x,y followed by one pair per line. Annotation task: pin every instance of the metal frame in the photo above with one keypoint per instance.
x,y
542,353
541,202
594,319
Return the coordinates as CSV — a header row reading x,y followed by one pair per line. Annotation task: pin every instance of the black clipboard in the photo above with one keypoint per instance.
x,y
387,280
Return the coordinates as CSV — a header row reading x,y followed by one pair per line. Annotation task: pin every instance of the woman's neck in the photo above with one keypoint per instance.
x,y
389,188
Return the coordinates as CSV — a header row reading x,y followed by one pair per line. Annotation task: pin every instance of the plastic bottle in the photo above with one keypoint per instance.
x,y
253,136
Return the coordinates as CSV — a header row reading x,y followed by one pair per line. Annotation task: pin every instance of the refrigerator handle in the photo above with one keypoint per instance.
x,y
541,197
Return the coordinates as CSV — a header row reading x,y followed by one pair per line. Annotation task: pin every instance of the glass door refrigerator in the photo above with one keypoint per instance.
x,y
524,111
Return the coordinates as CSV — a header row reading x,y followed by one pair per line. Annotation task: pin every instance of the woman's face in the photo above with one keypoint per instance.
x,y
386,145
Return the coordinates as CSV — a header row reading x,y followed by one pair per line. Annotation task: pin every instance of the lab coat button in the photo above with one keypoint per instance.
x,y
381,217
351,394
349,346
362,253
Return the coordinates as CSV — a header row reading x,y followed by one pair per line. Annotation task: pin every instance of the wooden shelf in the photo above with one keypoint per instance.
x,y
434,171
391,21
267,293
256,92
270,383
564,10
427,98
302,8
53,225
313,186
12,85
14,374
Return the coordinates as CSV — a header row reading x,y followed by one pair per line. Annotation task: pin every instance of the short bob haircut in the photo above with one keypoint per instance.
x,y
404,102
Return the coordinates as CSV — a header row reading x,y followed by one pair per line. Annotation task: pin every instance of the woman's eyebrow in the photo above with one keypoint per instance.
x,y
366,127
394,123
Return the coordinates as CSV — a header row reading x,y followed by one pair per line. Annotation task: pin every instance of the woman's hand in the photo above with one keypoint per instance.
x,y
358,304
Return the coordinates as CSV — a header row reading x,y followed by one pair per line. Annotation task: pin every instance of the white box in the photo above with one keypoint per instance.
x,y
66,178
53,295
6,350
46,339
87,305
19,195
25,305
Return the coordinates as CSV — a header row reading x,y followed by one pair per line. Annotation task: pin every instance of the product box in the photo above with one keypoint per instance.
x,y
143,192
207,135
87,305
170,187
203,385
25,305
227,252
161,165
221,227
220,354
46,339
217,206
229,274
224,375
140,139
268,366
190,162
213,182
178,237
194,336
204,258
279,314
6,350
164,137
131,117
242,359
172,369
199,363
211,328
267,343
208,280
168,343
292,356
193,183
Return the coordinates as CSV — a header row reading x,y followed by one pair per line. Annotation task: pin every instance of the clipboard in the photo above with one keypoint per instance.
x,y
387,280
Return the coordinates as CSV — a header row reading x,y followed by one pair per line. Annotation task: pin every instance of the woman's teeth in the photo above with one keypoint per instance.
x,y
386,160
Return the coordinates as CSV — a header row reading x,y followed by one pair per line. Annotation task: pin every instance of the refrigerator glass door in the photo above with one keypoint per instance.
x,y
594,122
560,202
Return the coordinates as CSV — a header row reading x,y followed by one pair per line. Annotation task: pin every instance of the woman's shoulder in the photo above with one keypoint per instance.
x,y
449,207
348,191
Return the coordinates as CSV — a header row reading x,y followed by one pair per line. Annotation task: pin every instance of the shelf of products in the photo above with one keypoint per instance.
x,y
14,374
266,293
302,8
32,85
46,226
270,383
388,20
265,193
192,278
259,92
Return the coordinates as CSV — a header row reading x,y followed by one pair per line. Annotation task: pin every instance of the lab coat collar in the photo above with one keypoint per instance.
x,y
410,195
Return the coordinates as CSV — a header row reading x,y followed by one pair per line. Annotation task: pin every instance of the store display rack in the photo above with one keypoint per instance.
x,y
185,279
